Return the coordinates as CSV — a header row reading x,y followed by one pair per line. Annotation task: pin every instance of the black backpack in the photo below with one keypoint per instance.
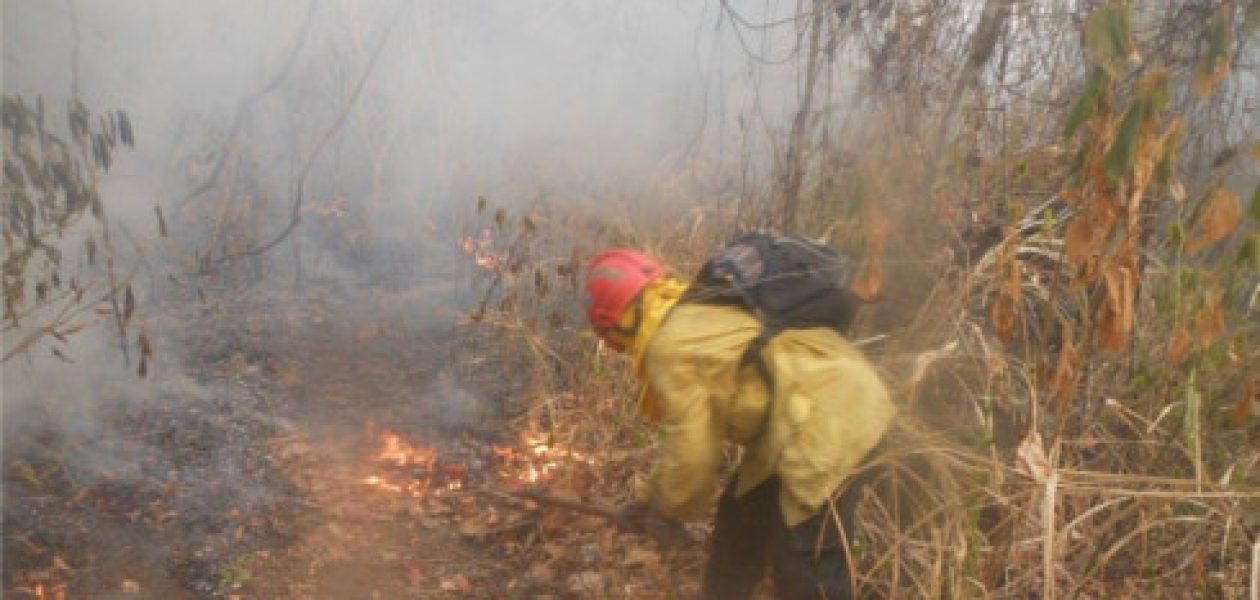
x,y
786,281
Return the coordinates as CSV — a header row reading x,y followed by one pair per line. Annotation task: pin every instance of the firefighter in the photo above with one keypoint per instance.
x,y
803,436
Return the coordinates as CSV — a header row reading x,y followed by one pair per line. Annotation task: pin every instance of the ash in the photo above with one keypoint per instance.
x,y
169,496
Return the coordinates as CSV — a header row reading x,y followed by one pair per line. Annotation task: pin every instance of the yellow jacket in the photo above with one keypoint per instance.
x,y
829,407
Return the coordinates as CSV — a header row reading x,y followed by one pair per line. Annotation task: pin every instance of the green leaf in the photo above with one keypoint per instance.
x,y
1109,38
1119,159
1087,105
1254,208
1169,145
1251,17
1155,91
1249,253
1177,234
1192,422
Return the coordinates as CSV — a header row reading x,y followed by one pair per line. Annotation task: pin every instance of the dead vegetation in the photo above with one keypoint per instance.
x,y
1056,212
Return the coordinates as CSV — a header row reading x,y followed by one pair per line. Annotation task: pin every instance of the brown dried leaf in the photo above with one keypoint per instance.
x,y
869,281
1031,458
415,576
1063,383
1079,241
1220,216
1241,415
540,574
1179,345
458,583
1115,313
641,558
1014,287
473,528
1209,321
1004,317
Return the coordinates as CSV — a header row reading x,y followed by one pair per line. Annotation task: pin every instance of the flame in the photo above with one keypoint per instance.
x,y
415,471
397,453
400,453
481,249
58,592
541,460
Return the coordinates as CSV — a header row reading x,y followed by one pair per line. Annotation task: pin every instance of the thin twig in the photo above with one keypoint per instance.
x,y
238,120
295,216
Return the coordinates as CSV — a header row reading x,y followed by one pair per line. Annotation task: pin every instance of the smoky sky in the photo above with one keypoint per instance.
x,y
466,97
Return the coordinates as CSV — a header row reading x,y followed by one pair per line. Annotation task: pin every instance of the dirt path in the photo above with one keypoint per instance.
x,y
253,468
344,380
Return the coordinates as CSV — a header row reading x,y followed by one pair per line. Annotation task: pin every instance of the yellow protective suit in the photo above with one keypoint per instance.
x,y
828,407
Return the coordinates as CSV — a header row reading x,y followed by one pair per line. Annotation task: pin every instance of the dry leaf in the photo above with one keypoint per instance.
x,y
1063,383
587,584
1209,321
1032,459
1079,241
1004,316
1179,345
472,528
458,583
1241,415
1220,216
869,281
415,576
638,557
1115,313
540,574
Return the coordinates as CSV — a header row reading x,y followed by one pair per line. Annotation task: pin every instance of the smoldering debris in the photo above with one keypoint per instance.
x,y
168,494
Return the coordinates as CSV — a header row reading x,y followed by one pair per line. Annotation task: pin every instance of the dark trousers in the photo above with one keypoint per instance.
x,y
806,561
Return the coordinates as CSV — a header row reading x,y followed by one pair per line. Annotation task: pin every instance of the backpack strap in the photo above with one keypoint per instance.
x,y
752,354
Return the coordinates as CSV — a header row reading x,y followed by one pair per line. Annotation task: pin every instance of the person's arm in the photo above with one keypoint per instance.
x,y
684,478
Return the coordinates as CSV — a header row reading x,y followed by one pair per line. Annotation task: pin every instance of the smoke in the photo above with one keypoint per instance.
x,y
405,113
465,98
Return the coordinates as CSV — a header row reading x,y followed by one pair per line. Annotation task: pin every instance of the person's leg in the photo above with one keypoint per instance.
x,y
742,529
811,560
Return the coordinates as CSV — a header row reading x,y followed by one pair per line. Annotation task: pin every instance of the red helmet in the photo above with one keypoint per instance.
x,y
613,281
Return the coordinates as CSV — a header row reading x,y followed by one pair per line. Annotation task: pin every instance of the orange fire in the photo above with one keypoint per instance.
x,y
414,471
481,249
540,461
396,453
58,592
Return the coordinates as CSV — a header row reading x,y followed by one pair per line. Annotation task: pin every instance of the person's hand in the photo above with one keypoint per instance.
x,y
633,516
638,517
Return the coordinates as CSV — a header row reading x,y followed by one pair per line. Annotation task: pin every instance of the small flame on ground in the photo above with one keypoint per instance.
x,y
538,459
397,453
542,459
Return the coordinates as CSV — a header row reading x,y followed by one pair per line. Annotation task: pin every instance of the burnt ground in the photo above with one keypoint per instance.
x,y
248,464
240,469
346,382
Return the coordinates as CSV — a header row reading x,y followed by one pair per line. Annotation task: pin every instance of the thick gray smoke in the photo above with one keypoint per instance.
x,y
396,116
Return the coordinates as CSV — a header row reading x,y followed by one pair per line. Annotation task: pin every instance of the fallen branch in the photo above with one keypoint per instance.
x,y
547,499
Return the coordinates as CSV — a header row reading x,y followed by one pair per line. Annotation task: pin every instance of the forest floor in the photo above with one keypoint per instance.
x,y
347,445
